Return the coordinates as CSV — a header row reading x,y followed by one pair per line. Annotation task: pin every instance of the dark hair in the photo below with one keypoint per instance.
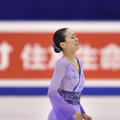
x,y
58,37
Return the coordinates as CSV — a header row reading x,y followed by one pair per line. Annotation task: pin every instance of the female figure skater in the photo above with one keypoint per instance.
x,y
68,79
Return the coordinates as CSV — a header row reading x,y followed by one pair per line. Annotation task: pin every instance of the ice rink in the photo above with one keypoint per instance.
x,y
38,107
25,75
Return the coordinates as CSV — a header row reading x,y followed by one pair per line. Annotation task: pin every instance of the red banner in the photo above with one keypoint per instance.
x,y
30,55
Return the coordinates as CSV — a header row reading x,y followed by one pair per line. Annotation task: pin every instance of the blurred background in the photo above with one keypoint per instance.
x,y
27,59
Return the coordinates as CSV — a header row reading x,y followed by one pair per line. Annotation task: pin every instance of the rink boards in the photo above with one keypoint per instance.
x,y
27,59
38,88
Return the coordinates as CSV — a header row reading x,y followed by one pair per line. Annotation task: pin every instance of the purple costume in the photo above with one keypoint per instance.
x,y
65,90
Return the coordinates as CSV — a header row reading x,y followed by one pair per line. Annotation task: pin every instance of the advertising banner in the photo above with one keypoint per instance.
x,y
30,55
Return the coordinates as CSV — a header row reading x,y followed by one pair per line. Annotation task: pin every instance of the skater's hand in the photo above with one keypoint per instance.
x,y
77,116
86,117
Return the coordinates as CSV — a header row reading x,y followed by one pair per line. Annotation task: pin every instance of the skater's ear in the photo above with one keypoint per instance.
x,y
63,45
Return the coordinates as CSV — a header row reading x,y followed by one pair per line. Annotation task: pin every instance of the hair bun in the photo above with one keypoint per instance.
x,y
56,49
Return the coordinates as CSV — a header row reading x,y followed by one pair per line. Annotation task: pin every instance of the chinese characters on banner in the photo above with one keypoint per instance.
x,y
30,55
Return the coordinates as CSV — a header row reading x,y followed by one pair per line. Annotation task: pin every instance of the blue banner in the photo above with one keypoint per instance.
x,y
60,10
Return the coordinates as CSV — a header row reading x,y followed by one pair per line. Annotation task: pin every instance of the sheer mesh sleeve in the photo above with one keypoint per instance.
x,y
58,103
82,110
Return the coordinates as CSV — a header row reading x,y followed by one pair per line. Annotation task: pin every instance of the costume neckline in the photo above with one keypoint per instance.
x,y
74,67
